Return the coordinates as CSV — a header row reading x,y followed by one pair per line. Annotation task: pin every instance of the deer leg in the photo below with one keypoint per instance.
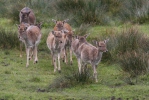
x,y
70,56
21,46
35,54
54,60
59,66
31,53
65,55
27,54
95,72
84,66
79,65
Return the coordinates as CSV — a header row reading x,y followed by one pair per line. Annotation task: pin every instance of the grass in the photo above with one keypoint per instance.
x,y
20,83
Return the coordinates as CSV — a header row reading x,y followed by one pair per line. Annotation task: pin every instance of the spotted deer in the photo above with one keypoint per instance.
x,y
30,35
56,42
26,15
63,25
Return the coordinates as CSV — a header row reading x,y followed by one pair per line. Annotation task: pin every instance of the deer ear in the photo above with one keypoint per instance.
x,y
65,21
77,37
55,21
22,12
53,32
106,40
86,35
65,31
96,43
26,28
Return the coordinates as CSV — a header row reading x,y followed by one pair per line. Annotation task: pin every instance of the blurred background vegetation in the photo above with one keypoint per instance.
x,y
99,12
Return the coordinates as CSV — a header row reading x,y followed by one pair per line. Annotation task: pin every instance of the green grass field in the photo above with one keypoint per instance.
x,y
20,83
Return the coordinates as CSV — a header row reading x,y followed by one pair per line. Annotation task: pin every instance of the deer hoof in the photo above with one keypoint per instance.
x,y
27,65
71,63
59,71
35,62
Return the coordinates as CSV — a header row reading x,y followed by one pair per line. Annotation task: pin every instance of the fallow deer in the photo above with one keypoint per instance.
x,y
56,42
30,35
63,25
91,54
26,15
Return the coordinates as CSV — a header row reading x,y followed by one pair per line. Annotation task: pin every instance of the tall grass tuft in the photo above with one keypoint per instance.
x,y
8,39
71,77
131,51
136,11
82,11
135,63
83,29
130,39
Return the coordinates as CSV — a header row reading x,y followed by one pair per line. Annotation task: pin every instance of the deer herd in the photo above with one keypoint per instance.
x,y
58,40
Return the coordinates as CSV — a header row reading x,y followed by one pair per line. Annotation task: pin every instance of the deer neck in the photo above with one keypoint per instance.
x,y
99,55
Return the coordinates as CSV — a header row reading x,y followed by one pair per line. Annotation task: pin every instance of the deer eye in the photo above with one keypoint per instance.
x,y
60,41
100,46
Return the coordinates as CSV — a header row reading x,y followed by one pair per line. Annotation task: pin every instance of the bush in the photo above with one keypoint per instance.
x,y
130,39
8,39
82,11
136,11
135,63
70,78
130,49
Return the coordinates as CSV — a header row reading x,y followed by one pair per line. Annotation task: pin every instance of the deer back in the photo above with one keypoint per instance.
x,y
92,54
76,43
33,34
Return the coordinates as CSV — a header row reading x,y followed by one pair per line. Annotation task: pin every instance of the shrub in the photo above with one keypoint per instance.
x,y
82,11
83,29
70,78
130,39
8,39
135,63
130,49
134,10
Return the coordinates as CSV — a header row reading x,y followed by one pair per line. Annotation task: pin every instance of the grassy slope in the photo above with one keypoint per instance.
x,y
21,83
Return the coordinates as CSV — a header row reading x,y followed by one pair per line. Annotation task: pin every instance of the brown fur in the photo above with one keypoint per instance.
x,y
56,42
91,54
87,53
30,36
63,25
39,25
76,43
27,16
